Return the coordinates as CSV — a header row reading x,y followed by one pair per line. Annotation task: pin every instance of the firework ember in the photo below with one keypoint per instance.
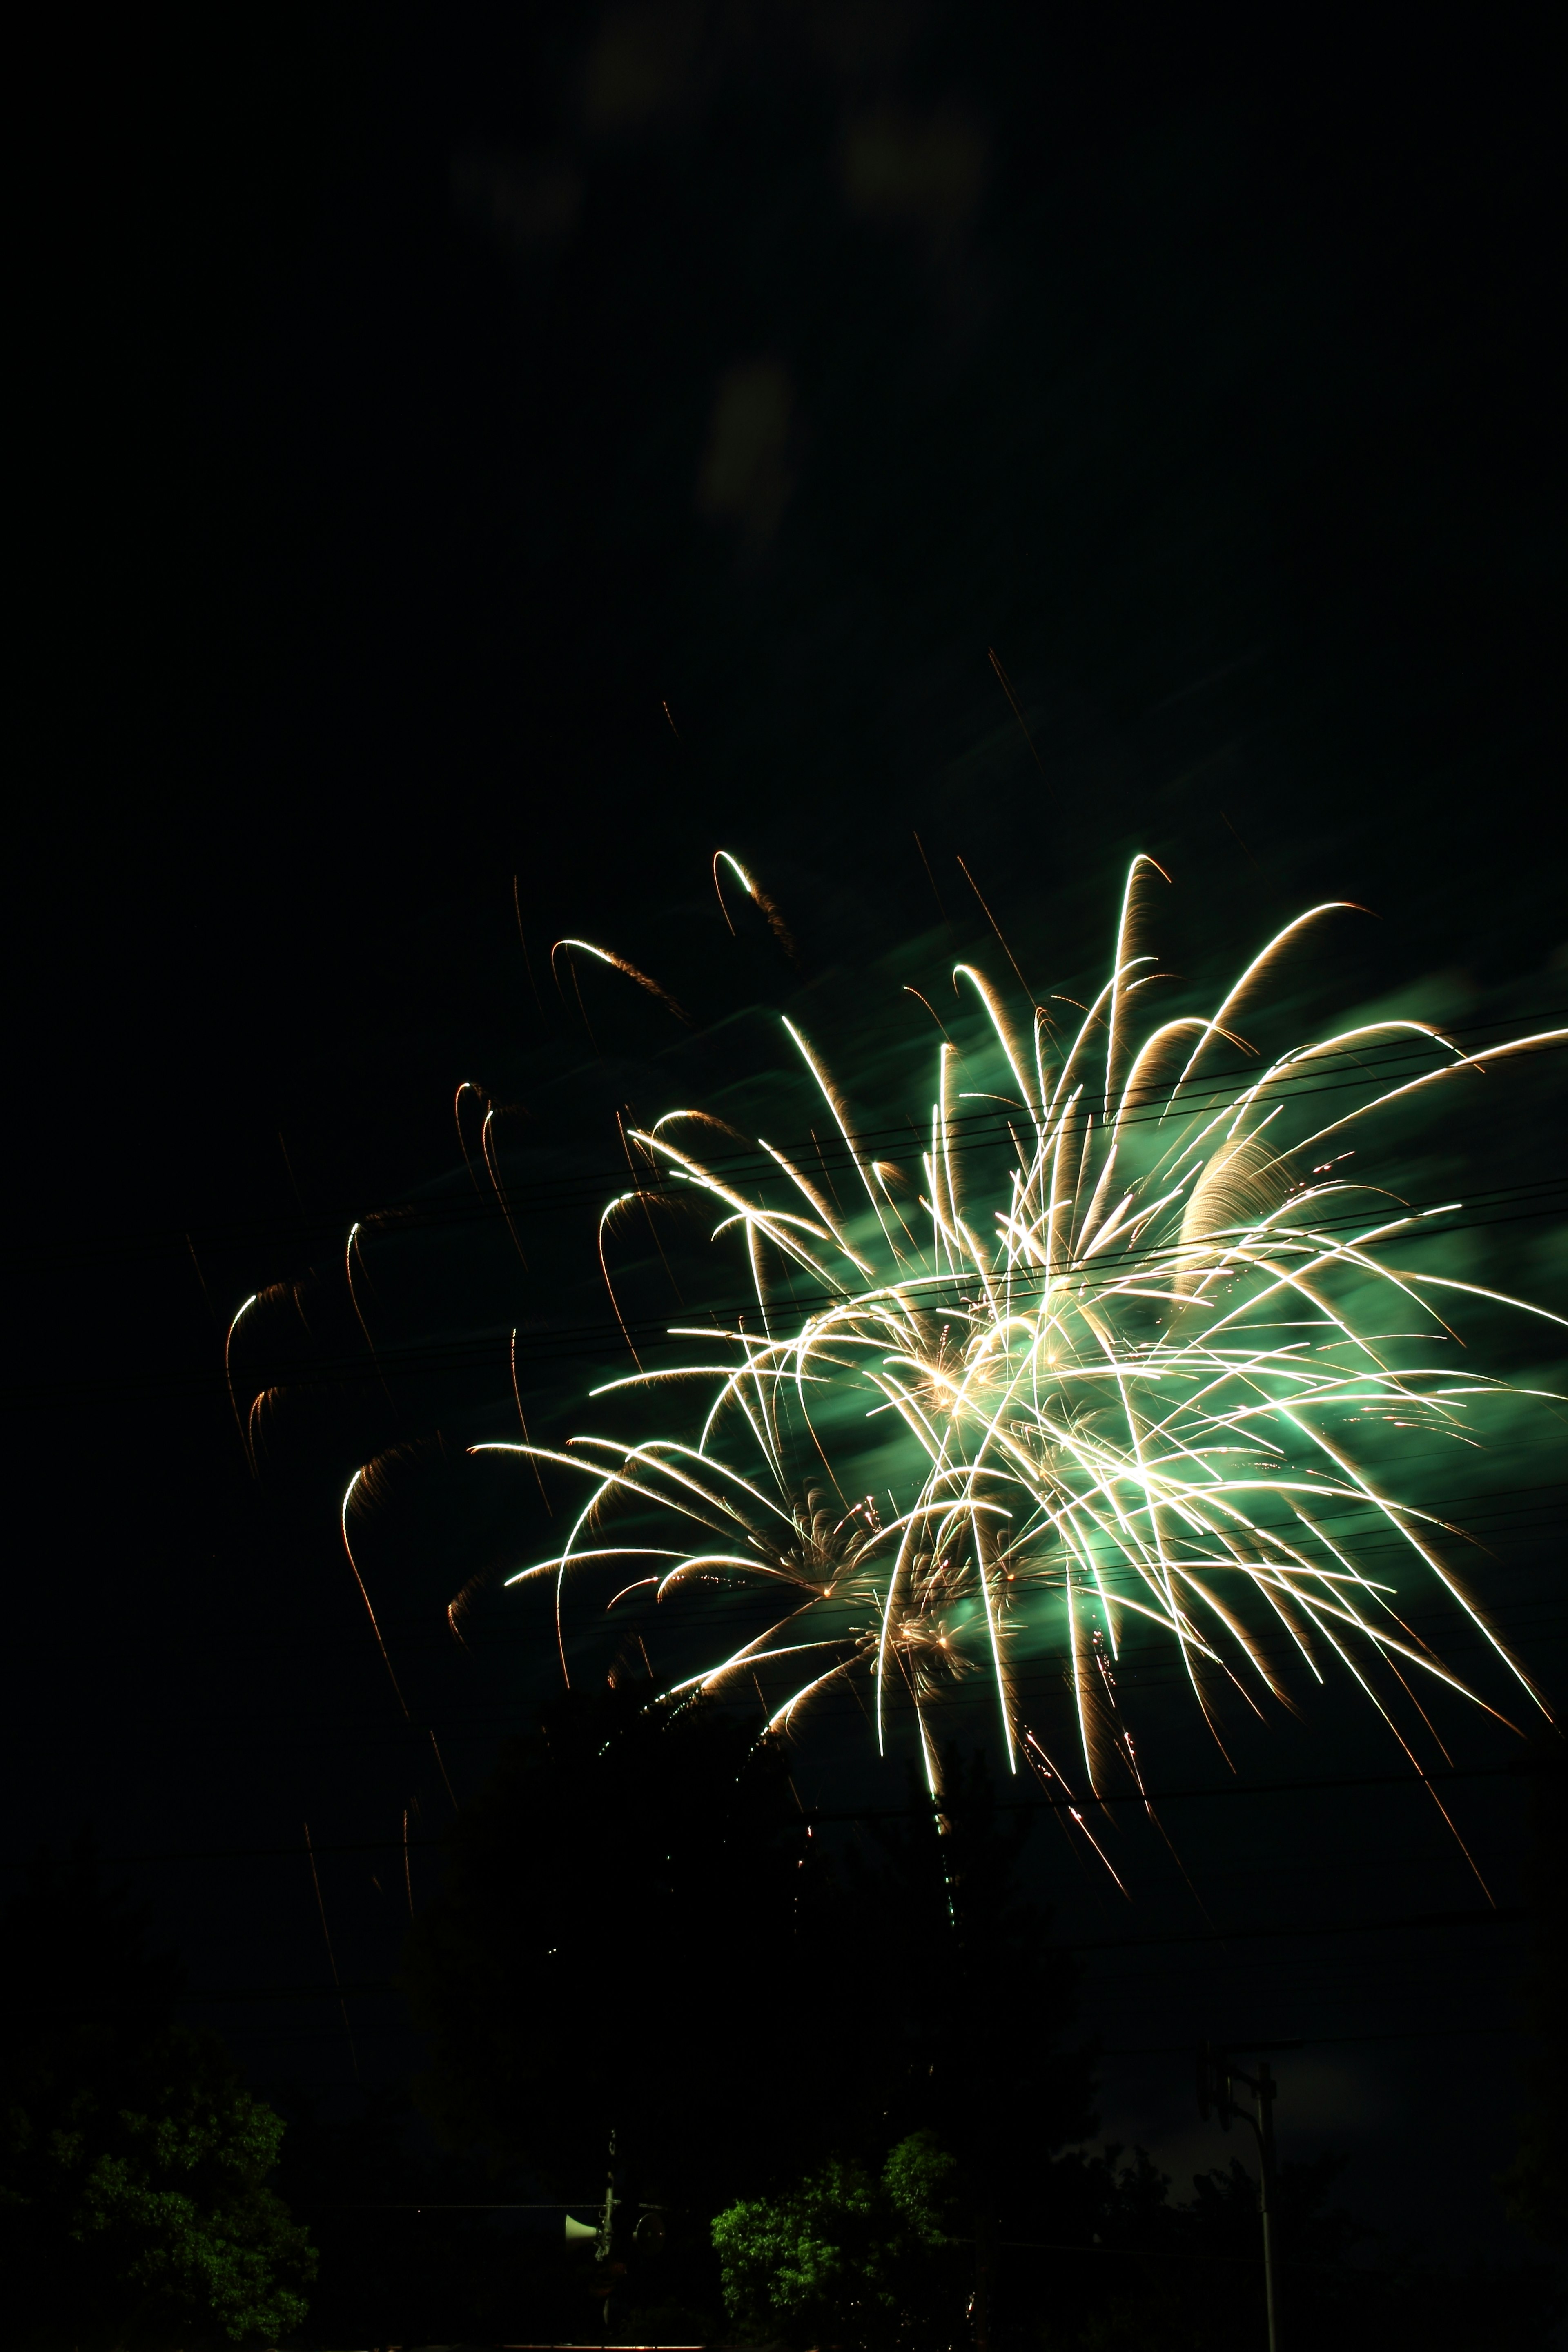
x,y
1128,1321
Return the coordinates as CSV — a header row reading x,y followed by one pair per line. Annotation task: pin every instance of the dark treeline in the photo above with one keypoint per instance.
x,y
475,464
646,1965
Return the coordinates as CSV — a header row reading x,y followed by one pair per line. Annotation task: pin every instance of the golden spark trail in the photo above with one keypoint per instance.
x,y
1086,1366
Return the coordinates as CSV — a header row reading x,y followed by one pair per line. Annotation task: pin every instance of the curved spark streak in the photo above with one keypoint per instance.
x,y
1148,1385
229,1377
620,963
364,1594
760,899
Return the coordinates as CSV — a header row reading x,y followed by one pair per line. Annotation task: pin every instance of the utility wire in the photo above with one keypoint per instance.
x,y
1417,1922
932,1294
242,2029
966,1131
813,1814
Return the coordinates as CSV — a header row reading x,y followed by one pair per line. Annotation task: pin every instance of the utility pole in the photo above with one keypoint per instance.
x,y
602,2242
984,2276
1218,2078
606,2271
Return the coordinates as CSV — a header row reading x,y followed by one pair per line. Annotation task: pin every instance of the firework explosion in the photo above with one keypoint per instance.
x,y
1129,1323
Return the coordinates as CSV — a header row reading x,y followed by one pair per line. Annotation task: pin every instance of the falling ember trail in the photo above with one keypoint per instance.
x,y
1005,683
441,1766
997,928
617,963
522,942
523,1425
201,1277
930,878
332,1955
353,1244
293,1180
1127,1373
239,1421
765,906
492,1162
648,1214
364,1595
929,1008
1237,837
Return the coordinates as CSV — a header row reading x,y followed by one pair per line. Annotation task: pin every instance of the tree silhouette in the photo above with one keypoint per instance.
x,y
640,1932
1536,2183
133,2163
851,2258
621,1946
976,2001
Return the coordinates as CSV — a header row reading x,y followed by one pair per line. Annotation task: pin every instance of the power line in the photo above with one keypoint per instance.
x,y
965,1131
1041,1804
1420,1922
934,1295
413,1631
1142,1666
1499,1916
1139,1668
243,2029
1321,2041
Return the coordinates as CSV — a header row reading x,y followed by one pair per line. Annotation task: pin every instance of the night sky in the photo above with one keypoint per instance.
x,y
473,466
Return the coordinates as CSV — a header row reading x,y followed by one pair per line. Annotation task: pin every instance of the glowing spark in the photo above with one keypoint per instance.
x,y
760,899
364,1595
1135,1390
619,963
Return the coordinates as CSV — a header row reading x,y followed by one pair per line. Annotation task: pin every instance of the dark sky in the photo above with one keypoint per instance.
x,y
551,443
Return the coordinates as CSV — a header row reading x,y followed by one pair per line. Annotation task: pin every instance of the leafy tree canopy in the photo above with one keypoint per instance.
x,y
616,1946
850,2258
133,2164
1106,2262
938,1920
640,1931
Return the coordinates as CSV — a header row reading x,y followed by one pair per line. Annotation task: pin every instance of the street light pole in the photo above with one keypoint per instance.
x,y
1263,2091
1218,2078
603,2246
606,2238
